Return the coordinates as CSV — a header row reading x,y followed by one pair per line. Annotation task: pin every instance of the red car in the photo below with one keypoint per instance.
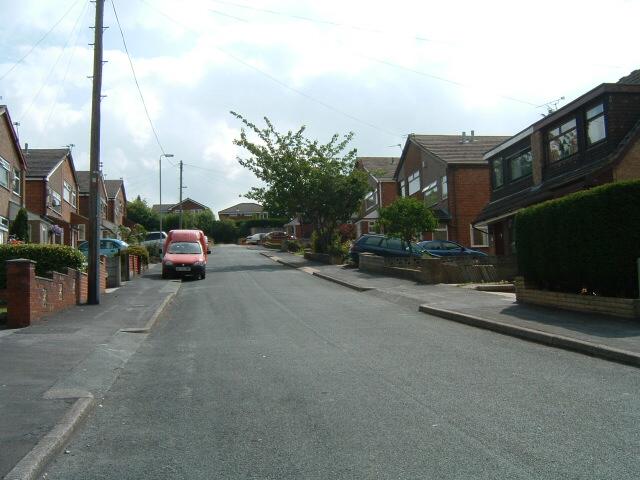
x,y
185,253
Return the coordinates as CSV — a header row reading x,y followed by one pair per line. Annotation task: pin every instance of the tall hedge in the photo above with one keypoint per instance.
x,y
49,258
587,240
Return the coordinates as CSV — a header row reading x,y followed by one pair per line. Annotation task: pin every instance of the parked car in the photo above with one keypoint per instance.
x,y
185,253
154,241
447,248
255,239
277,237
109,247
383,246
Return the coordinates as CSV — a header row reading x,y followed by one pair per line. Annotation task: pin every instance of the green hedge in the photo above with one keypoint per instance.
x,y
587,240
56,258
139,250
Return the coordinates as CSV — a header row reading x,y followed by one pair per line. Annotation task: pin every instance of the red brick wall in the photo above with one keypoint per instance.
x,y
471,192
388,192
35,196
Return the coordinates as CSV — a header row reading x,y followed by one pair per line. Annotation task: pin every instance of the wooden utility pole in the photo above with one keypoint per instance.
x,y
94,162
180,195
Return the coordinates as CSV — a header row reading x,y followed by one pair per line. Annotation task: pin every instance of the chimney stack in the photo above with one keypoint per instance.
x,y
26,148
472,136
464,137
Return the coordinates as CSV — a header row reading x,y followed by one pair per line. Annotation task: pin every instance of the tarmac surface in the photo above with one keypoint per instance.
x,y
262,371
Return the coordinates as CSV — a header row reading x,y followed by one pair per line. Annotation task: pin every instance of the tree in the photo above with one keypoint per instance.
x,y
20,226
224,231
139,212
407,218
304,178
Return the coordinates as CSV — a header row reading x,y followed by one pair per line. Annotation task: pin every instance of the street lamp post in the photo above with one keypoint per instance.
x,y
167,155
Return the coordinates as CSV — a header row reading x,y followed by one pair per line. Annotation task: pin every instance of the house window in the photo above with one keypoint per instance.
x,y
69,194
562,141
4,229
479,236
56,200
520,165
82,232
370,200
497,173
17,181
103,208
595,124
441,232
372,227
444,188
414,182
430,194
4,172
44,234
403,188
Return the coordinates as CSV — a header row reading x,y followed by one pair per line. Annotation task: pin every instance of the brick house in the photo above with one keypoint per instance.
x,y
12,174
187,205
449,174
52,196
243,211
108,229
593,140
384,190
117,201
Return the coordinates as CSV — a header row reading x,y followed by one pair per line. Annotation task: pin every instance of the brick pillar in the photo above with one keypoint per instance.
x,y
21,280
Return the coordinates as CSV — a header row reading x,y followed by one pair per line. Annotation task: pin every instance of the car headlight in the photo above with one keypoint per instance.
x,y
168,263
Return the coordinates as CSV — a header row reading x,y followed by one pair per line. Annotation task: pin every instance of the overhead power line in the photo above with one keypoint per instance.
x,y
371,59
35,45
53,67
135,78
280,82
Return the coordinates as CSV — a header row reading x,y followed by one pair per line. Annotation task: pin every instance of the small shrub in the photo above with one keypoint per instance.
x,y
20,226
139,250
294,246
337,248
48,258
316,247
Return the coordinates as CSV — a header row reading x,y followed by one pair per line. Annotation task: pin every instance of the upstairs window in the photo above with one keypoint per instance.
x,y
430,194
497,173
69,194
562,141
4,172
595,125
56,200
414,182
520,165
17,181
444,187
370,200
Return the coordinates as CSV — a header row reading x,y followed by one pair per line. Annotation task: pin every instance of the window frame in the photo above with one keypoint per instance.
x,y
6,167
550,137
413,179
439,228
17,174
495,162
485,236
508,172
444,187
588,120
429,190
54,207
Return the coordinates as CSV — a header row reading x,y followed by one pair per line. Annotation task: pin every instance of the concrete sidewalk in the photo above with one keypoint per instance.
x,y
599,335
53,372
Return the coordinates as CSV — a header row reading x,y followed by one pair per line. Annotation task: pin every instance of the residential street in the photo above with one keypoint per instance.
x,y
262,371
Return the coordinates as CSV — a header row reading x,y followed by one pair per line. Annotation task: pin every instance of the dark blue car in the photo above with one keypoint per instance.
x,y
447,248
383,246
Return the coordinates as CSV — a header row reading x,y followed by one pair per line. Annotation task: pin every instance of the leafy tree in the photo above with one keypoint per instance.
x,y
303,177
138,211
20,226
133,236
224,231
407,218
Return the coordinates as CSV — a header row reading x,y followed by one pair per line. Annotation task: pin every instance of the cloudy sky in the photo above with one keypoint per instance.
x,y
379,69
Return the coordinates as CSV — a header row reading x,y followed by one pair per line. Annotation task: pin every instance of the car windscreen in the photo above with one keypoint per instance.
x,y
185,248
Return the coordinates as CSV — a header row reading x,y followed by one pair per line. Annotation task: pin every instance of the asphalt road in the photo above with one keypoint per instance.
x,y
265,372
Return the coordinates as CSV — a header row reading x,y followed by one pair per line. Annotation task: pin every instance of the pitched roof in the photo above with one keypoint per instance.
x,y
83,181
379,167
4,112
113,186
177,205
452,148
162,208
241,208
632,79
43,161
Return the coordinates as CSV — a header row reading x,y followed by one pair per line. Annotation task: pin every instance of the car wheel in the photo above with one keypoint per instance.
x,y
165,275
203,275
